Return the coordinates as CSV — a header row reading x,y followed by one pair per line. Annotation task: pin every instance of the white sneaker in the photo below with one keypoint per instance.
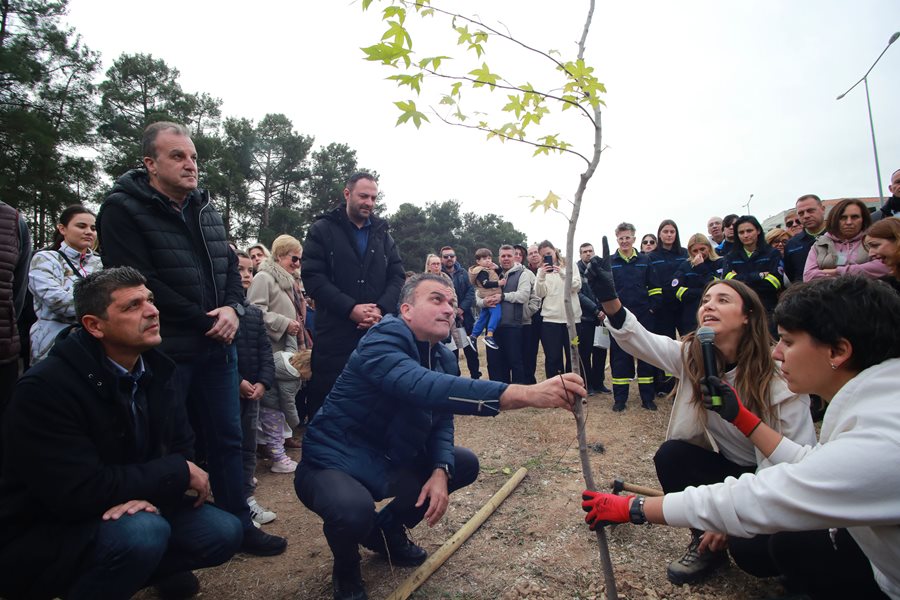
x,y
284,465
259,514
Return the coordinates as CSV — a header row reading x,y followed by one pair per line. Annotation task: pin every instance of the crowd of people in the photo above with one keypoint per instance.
x,y
164,363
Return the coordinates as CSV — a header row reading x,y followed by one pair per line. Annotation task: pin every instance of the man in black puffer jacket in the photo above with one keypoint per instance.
x,y
352,269
157,221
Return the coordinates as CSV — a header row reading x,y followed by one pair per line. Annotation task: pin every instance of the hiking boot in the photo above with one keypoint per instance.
x,y
177,586
348,584
258,543
490,343
260,515
693,565
400,550
284,465
618,407
649,404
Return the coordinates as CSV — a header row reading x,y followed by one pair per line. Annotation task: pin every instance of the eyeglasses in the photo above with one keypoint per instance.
x,y
448,256
295,259
645,242
790,223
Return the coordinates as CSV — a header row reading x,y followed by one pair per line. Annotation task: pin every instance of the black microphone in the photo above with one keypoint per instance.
x,y
707,337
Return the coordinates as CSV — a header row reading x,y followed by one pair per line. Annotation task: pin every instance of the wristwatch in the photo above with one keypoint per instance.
x,y
444,467
636,512
238,308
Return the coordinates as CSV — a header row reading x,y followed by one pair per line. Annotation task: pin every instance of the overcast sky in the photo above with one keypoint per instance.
x,y
708,101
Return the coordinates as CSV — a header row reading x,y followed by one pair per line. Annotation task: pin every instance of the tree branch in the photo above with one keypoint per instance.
x,y
508,137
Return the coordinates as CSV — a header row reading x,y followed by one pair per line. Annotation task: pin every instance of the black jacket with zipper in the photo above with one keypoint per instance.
x,y
187,261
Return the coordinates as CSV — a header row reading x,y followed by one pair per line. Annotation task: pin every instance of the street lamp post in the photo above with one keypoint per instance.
x,y
865,81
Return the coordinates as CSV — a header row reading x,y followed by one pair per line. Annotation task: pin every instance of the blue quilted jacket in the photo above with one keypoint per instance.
x,y
393,406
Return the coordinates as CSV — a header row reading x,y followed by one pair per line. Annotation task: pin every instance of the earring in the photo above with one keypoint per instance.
x,y
833,367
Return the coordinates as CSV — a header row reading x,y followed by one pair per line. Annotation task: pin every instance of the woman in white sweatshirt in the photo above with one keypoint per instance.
x,y
549,286
838,340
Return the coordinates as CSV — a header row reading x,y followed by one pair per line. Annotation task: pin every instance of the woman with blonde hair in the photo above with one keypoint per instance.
x,y
777,238
276,290
883,244
692,277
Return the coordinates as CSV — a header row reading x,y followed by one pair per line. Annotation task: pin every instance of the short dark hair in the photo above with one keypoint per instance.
x,y
808,197
833,222
93,294
409,287
728,220
445,248
148,140
585,245
351,182
483,253
863,311
625,226
507,247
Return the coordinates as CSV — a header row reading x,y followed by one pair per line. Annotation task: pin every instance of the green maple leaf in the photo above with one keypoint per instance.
x,y
408,111
483,76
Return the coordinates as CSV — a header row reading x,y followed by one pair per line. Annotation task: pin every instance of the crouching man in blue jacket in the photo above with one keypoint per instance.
x,y
386,430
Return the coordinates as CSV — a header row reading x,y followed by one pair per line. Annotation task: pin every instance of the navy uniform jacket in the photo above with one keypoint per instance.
x,y
747,269
636,283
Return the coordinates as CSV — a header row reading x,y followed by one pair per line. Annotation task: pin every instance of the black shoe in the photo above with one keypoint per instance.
x,y
604,390
400,550
348,584
649,405
259,543
618,407
177,586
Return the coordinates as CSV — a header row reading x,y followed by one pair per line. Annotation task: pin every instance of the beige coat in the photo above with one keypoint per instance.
x,y
272,291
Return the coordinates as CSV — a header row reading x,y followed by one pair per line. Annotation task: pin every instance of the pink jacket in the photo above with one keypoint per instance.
x,y
824,252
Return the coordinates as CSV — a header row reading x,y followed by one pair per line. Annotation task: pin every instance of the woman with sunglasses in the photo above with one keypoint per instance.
x,y
840,250
777,238
830,508
276,290
648,244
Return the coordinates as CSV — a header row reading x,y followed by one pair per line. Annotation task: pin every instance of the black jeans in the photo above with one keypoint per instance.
x,y
555,340
506,364
348,508
593,359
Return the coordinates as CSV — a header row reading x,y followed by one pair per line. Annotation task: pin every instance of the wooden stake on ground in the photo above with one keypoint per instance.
x,y
434,561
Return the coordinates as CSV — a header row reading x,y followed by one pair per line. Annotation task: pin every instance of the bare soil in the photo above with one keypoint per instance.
x,y
535,546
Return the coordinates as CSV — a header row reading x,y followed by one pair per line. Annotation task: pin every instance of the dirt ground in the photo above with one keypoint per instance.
x,y
535,546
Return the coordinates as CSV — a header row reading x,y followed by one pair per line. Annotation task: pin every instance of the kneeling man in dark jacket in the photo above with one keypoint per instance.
x,y
386,430
97,461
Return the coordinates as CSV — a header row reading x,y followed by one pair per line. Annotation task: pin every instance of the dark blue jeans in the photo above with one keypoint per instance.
x,y
133,551
348,509
209,386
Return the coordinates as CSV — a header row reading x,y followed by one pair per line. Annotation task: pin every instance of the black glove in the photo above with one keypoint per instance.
x,y
599,276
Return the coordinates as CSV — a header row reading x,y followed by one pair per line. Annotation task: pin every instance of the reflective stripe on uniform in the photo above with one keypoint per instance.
x,y
731,275
776,283
680,292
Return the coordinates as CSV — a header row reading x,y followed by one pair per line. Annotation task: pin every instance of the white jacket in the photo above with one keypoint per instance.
x,y
850,479
688,421
550,289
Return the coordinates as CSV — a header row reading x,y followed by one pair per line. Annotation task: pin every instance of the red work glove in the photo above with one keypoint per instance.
x,y
603,509
724,399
